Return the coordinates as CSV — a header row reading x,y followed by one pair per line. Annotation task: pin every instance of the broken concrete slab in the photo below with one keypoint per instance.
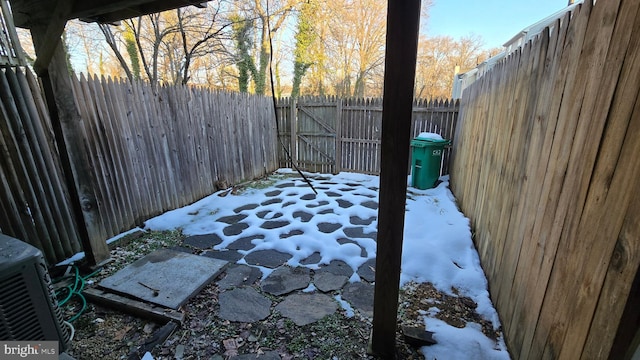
x,y
243,305
165,277
285,279
305,309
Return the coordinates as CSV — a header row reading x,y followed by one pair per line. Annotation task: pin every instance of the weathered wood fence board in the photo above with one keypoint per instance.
x,y
148,152
153,153
10,50
35,203
333,134
545,160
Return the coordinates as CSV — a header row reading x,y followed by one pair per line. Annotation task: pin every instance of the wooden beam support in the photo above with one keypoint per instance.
x,y
66,122
55,28
403,19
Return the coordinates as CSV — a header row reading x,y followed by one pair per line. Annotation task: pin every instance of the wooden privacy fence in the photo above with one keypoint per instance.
x,y
546,166
10,50
153,153
34,202
148,154
332,134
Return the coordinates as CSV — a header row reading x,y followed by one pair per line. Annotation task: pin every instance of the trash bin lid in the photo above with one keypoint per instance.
x,y
426,139
429,136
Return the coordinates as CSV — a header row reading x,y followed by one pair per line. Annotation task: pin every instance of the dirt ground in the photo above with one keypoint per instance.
x,y
103,333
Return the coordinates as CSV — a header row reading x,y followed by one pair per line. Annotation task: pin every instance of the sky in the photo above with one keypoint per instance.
x,y
496,21
437,245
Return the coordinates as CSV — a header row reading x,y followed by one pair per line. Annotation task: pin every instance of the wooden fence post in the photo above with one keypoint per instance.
x,y
400,63
294,131
338,153
66,122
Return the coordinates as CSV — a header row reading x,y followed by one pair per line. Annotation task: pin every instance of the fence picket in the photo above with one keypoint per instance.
x,y
544,168
356,124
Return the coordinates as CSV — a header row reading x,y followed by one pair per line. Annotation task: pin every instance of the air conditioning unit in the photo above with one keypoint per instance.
x,y
28,307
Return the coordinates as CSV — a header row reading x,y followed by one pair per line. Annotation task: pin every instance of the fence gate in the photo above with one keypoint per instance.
x,y
315,133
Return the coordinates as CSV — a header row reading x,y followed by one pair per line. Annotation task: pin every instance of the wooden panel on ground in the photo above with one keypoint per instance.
x,y
135,307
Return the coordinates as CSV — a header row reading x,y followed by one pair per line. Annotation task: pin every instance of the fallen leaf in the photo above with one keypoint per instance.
x,y
119,335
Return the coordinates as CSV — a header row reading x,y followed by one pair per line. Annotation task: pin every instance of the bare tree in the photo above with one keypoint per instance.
x,y
168,43
438,58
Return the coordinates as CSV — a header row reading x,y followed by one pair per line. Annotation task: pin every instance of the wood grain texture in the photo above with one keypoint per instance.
x,y
543,166
345,134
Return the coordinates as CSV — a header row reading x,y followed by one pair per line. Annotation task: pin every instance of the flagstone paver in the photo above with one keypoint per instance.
x,y
245,207
285,279
267,258
274,224
235,229
337,267
243,295
239,275
232,219
303,215
328,228
363,251
243,305
312,259
228,255
370,204
360,296
356,220
244,243
326,281
305,309
344,203
367,270
206,241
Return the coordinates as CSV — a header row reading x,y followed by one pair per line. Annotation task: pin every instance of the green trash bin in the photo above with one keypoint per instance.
x,y
426,159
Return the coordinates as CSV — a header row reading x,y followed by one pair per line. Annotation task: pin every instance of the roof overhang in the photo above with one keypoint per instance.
x,y
49,17
33,13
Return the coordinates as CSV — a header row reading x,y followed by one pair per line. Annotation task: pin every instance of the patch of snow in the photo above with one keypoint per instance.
x,y
345,305
430,135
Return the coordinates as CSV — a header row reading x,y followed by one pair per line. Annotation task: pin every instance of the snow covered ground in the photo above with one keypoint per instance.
x,y
437,245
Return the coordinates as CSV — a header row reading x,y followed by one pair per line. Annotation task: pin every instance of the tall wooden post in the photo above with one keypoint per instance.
x,y
294,130
403,19
338,153
66,123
